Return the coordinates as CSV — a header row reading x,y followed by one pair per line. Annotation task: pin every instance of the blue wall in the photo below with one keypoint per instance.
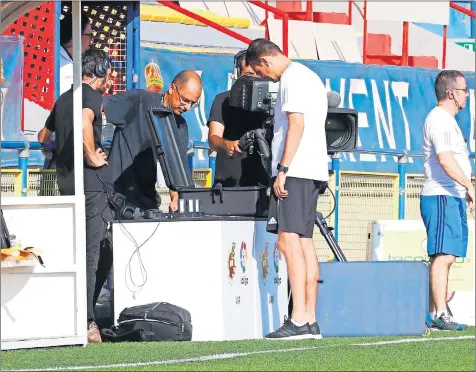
x,y
392,102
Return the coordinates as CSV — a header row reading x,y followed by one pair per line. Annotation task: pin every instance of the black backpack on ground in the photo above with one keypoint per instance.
x,y
158,321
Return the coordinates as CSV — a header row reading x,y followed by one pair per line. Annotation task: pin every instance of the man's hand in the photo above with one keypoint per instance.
x,y
47,153
174,197
97,159
278,186
232,148
470,198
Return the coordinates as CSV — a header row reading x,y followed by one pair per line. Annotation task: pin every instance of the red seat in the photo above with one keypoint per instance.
x,y
379,44
423,61
335,18
289,6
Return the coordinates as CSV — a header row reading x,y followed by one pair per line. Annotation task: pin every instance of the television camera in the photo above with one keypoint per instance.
x,y
256,94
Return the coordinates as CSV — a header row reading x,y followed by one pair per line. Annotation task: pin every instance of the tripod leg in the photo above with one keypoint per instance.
x,y
331,241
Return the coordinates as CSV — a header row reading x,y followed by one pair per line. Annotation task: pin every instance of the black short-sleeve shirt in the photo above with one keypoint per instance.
x,y
245,170
60,121
134,167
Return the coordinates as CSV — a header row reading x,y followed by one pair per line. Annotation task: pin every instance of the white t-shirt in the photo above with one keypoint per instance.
x,y
442,133
66,71
302,91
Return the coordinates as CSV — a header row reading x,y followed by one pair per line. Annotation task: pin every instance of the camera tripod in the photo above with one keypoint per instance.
x,y
331,241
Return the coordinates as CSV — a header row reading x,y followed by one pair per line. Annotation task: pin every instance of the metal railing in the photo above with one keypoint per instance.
x,y
231,33
205,21
360,197
284,15
405,36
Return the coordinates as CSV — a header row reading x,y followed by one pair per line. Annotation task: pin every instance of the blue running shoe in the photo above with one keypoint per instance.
x,y
445,323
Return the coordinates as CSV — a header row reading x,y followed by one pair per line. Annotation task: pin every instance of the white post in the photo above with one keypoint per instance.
x,y
79,218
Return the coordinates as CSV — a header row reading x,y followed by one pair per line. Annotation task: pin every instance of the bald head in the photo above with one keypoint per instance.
x,y
184,92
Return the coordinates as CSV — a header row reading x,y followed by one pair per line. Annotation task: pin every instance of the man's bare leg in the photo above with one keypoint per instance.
x,y
312,276
289,245
439,270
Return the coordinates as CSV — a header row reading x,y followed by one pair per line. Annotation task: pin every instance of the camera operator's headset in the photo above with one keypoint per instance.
x,y
236,67
102,65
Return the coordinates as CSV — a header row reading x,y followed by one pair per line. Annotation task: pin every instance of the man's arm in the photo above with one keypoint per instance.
x,y
218,143
452,169
291,144
293,137
44,135
94,158
442,142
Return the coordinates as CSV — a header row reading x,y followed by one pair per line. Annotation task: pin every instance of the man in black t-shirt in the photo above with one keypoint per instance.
x,y
134,168
97,178
226,126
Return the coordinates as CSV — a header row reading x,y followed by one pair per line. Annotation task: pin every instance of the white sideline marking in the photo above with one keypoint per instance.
x,y
236,355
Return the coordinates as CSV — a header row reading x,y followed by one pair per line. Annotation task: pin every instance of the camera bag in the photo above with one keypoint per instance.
x,y
158,321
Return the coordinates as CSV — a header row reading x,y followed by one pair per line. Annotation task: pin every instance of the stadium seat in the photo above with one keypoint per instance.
x,y
379,53
379,44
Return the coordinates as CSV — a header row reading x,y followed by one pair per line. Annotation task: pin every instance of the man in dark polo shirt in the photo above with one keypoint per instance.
x,y
97,179
226,126
134,168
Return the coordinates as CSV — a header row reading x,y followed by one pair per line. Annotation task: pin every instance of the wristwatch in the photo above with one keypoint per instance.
x,y
282,168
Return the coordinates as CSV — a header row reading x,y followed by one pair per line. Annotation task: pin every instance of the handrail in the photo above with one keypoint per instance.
x,y
12,145
462,9
285,16
216,26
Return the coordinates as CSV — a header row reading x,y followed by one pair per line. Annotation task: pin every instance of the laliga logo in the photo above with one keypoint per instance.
x,y
243,257
243,262
231,262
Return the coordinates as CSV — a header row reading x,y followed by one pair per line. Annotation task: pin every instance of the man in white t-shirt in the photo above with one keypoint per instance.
x,y
300,173
447,191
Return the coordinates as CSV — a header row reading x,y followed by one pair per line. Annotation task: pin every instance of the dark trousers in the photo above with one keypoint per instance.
x,y
98,247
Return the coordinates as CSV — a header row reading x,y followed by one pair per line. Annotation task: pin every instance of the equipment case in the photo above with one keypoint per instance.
x,y
216,201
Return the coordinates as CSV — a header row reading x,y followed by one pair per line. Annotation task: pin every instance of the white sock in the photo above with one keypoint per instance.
x,y
438,314
297,324
433,315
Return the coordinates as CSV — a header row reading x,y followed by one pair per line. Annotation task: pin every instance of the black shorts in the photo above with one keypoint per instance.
x,y
297,212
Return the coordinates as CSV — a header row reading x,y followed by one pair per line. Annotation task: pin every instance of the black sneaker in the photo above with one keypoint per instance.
x,y
290,331
315,331
445,323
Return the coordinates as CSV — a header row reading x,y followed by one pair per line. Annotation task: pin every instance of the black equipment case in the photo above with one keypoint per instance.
x,y
217,201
